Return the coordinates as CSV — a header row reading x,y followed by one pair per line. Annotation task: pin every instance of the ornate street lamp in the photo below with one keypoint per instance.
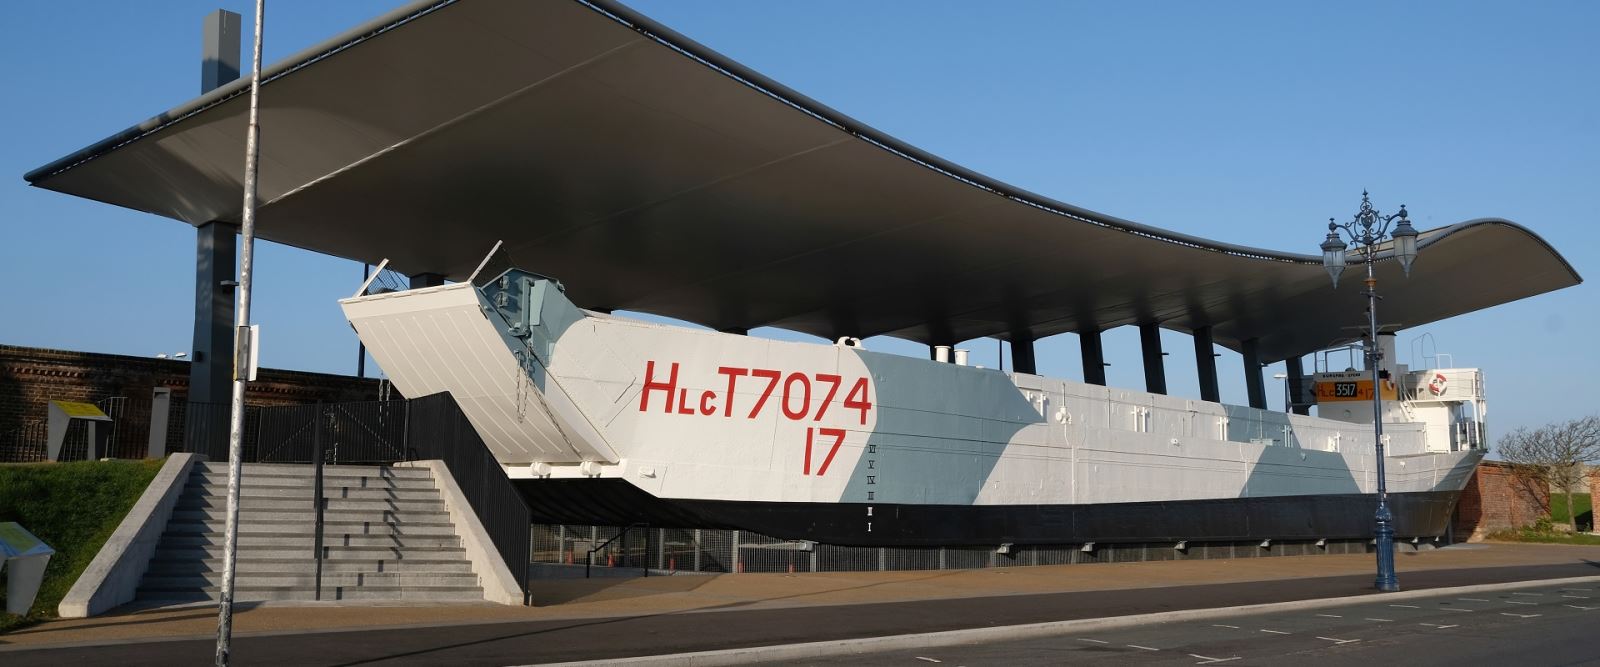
x,y
1369,229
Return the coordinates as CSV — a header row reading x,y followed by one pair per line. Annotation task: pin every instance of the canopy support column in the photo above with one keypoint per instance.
x,y
1254,388
1155,367
1205,363
1022,360
1094,359
1296,372
211,361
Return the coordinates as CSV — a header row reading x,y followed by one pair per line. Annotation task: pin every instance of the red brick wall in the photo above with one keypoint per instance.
x,y
31,377
1499,498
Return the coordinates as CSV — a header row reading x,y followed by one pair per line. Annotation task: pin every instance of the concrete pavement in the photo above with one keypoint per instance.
x,y
583,619
1545,625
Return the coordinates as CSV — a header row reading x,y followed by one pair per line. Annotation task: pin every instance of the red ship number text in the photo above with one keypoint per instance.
x,y
794,400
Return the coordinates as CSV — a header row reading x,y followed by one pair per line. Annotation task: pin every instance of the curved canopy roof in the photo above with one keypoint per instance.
x,y
651,174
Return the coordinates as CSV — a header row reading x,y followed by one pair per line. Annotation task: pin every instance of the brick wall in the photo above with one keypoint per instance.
x,y
1498,498
31,377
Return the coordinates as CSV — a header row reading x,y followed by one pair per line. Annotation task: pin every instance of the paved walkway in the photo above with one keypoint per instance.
x,y
616,617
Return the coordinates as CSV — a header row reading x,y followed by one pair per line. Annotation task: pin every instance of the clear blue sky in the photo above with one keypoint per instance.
x,y
1249,122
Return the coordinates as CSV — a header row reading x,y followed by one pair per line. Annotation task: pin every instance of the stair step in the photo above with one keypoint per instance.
x,y
306,526
218,517
306,541
297,481
304,565
256,593
389,552
306,469
198,580
187,502
307,492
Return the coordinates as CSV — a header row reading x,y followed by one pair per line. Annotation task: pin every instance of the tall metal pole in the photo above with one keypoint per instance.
x,y
1384,532
242,352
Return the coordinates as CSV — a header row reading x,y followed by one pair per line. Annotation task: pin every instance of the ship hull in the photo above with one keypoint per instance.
x,y
604,420
612,502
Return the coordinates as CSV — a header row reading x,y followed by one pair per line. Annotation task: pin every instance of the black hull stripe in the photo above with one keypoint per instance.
x,y
1332,516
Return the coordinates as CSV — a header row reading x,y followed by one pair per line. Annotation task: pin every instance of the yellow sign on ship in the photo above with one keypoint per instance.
x,y
1340,387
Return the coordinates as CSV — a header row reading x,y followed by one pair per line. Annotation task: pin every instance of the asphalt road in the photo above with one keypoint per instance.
x,y
1527,627
518,643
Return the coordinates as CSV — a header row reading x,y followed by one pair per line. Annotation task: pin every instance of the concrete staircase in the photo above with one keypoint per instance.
x,y
386,536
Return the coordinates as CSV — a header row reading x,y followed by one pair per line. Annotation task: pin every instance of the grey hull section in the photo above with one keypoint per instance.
x,y
1328,516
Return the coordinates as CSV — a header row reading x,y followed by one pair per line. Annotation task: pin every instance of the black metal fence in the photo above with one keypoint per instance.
x,y
437,429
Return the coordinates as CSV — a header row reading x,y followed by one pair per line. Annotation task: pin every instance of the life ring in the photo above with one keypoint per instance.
x,y
1438,384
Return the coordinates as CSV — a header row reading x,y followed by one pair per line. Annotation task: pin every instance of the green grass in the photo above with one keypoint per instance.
x,y
1580,507
1530,535
74,507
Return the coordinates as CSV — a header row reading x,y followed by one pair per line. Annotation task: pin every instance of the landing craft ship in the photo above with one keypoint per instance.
x,y
603,419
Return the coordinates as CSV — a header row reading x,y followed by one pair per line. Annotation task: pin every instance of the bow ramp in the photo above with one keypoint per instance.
x,y
491,348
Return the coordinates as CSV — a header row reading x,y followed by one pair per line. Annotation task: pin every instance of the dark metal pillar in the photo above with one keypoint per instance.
x,y
219,51
216,256
211,362
1205,362
1094,358
421,280
1022,359
1253,386
1155,367
1296,372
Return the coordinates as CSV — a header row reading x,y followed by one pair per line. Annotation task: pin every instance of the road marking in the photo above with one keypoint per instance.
x,y
1521,615
1219,625
1142,648
929,659
1440,627
1534,604
1528,594
1405,606
1330,615
1276,632
1582,608
1382,620
1576,597
1206,661
1338,641
1475,599
1092,641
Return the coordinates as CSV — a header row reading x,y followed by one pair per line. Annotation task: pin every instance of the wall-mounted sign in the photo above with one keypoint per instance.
x,y
1350,386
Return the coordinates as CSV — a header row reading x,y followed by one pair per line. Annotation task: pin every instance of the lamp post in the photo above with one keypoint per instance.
x,y
1366,231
